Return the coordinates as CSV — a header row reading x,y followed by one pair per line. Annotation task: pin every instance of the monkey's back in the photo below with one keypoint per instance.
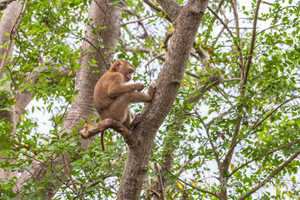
x,y
101,97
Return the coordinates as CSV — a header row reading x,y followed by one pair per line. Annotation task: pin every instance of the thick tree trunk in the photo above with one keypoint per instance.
x,y
99,44
187,24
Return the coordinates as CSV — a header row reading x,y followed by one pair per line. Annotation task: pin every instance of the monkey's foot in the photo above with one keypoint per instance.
x,y
89,130
85,131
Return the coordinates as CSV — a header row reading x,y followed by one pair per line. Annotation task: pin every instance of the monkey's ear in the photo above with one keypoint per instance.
x,y
115,66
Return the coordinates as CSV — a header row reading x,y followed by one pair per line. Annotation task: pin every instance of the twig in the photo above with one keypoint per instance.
x,y
226,27
137,21
237,26
161,183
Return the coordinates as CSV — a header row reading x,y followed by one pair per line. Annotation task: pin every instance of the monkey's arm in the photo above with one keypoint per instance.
x,y
118,88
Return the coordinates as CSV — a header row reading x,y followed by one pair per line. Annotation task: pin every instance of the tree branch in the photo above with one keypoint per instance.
x,y
234,140
275,172
284,146
253,40
237,26
88,131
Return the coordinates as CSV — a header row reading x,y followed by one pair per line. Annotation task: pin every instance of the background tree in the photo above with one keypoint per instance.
x,y
224,122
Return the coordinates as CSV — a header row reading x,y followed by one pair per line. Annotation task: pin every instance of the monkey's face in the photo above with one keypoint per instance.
x,y
124,68
127,71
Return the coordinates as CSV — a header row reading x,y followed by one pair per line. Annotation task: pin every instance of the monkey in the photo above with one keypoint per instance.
x,y
112,95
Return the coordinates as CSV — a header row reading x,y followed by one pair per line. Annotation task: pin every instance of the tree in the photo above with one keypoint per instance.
x,y
223,124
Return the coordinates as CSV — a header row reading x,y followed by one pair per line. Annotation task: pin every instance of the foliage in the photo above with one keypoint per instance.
x,y
198,132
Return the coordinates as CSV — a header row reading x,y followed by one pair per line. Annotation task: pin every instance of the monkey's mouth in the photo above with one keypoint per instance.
x,y
128,77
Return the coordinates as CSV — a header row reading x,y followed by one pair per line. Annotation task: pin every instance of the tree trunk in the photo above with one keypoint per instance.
x,y
187,24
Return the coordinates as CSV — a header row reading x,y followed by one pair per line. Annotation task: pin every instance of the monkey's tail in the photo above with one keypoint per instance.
x,y
102,140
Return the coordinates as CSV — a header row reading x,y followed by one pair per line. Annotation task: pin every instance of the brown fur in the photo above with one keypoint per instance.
x,y
113,93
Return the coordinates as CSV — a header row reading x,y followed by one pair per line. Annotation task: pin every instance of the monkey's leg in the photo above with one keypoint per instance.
x,y
89,131
118,110
136,97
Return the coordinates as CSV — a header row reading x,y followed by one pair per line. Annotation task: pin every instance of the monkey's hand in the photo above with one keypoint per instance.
x,y
139,86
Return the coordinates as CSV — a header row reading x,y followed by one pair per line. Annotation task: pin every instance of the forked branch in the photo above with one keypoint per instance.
x,y
90,131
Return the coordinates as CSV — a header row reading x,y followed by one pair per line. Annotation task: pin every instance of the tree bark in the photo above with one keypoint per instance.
x,y
168,82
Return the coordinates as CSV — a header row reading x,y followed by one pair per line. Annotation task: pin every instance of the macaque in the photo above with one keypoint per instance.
x,y
112,95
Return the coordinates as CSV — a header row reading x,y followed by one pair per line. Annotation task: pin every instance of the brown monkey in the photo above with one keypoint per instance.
x,y
113,94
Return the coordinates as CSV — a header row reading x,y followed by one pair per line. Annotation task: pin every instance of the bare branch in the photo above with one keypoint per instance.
x,y
88,131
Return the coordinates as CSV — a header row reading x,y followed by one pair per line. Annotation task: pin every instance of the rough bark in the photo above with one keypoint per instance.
x,y
186,27
101,38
